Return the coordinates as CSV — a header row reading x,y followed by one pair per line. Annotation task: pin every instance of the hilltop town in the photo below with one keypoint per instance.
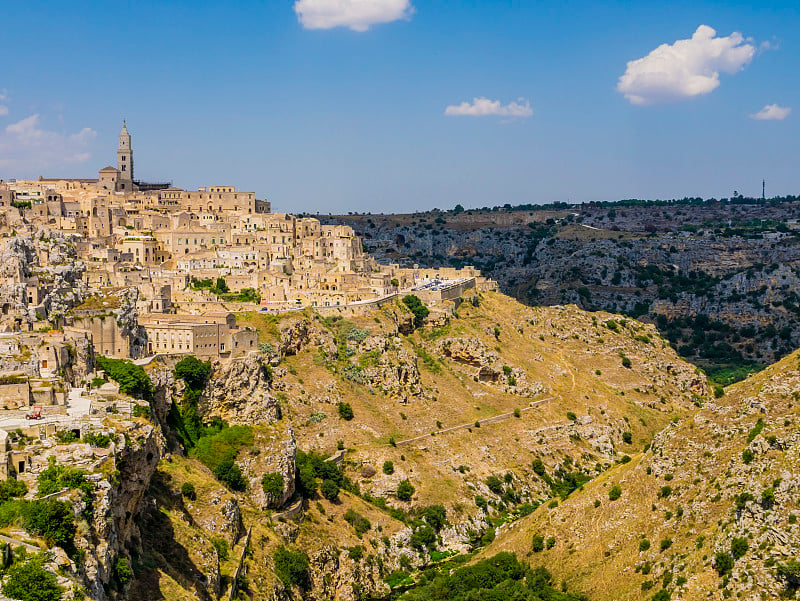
x,y
174,266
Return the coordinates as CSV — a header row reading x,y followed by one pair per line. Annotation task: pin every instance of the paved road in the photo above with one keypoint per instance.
x,y
488,420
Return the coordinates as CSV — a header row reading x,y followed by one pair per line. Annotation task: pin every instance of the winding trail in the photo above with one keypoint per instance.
x,y
488,420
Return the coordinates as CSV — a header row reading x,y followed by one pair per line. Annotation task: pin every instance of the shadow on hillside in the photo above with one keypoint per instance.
x,y
161,552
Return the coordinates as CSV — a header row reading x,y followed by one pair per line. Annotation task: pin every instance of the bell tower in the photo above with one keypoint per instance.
x,y
125,158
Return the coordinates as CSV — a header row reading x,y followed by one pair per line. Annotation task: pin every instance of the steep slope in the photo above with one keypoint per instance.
x,y
708,511
473,395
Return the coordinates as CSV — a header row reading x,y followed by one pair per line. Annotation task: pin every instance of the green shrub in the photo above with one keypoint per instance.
x,y
405,490
193,372
662,595
132,379
359,523
480,502
221,545
615,492
719,391
436,516
12,488
723,563
423,537
571,416
627,437
272,484
29,581
748,456
664,492
330,490
122,571
494,484
187,490
388,467
345,411
739,547
291,567
666,543
218,452
644,545
537,544
141,411
52,520
230,475
626,362
97,439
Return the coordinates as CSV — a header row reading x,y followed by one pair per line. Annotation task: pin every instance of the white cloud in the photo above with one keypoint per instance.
x,y
686,68
483,107
772,112
358,15
3,108
26,147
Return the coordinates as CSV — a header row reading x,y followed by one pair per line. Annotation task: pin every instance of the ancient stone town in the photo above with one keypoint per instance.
x,y
127,269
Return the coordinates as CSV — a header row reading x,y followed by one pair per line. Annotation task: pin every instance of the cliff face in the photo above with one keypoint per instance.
x,y
735,267
119,500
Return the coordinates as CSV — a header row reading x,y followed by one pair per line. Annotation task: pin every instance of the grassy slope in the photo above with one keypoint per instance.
x,y
597,548
565,362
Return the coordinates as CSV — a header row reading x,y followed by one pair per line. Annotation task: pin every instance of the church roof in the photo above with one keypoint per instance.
x,y
108,169
124,129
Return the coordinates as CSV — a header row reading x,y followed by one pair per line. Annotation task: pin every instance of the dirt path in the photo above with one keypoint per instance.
x,y
488,420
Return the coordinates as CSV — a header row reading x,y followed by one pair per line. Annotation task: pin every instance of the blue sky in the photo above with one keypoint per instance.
x,y
273,96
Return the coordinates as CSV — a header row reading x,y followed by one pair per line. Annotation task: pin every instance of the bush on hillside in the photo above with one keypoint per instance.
x,y
416,307
132,379
29,581
291,567
405,490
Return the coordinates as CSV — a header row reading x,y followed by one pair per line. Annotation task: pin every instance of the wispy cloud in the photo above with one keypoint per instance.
x,y
772,112
483,107
3,107
25,146
686,68
358,15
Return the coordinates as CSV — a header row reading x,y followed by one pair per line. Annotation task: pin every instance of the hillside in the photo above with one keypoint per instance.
x,y
708,511
451,406
718,279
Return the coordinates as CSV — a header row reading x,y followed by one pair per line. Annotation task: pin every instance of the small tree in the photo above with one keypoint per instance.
x,y
405,490
615,492
122,571
537,544
416,306
388,467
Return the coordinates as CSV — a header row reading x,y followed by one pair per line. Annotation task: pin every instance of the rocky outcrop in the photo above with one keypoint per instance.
x,y
276,455
239,392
